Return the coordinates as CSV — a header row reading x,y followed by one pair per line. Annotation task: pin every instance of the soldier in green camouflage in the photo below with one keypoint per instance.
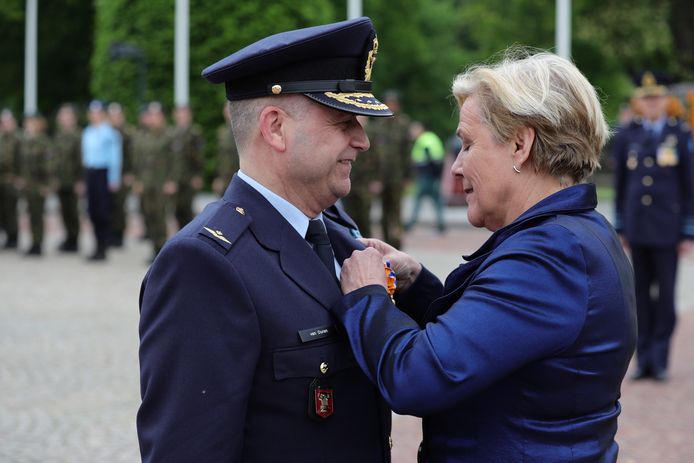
x,y
187,146
34,175
227,154
365,180
116,118
66,172
157,171
390,143
9,172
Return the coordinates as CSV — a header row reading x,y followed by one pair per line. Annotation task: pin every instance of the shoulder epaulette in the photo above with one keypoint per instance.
x,y
226,226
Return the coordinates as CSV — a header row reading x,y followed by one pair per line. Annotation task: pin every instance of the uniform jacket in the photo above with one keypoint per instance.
x,y
654,184
187,145
67,158
520,355
235,327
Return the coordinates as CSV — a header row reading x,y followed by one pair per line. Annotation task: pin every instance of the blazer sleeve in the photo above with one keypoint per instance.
x,y
199,345
526,304
416,299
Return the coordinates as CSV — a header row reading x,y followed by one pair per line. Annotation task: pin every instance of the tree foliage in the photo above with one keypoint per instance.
x,y
64,39
423,44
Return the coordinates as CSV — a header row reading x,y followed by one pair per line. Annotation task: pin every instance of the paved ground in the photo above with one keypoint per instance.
x,y
69,371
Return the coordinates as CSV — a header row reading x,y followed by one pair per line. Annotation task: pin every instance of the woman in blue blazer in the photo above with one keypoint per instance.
x,y
520,354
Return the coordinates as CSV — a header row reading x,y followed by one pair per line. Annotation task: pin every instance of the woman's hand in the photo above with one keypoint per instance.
x,y
363,268
406,267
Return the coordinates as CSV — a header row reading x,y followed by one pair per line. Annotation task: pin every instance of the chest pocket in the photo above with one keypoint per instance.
x,y
318,360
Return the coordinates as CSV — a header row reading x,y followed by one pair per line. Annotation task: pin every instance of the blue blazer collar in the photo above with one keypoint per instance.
x,y
577,198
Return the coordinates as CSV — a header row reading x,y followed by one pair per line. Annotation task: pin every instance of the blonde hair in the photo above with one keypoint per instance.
x,y
549,94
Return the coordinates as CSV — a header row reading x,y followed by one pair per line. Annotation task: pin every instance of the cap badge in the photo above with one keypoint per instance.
x,y
648,80
370,59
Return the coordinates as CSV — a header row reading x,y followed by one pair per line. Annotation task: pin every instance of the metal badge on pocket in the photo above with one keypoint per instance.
x,y
321,398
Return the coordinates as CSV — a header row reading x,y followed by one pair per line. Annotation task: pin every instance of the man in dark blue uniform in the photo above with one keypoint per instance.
x,y
240,357
654,216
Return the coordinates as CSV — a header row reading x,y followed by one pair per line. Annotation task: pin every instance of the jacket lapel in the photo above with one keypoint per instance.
x,y
273,232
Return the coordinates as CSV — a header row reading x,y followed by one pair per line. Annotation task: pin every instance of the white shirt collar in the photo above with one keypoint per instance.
x,y
297,219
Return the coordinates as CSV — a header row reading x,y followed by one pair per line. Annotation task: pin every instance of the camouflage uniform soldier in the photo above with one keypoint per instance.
x,y
33,183
227,154
390,143
187,146
118,220
9,170
157,170
66,170
365,173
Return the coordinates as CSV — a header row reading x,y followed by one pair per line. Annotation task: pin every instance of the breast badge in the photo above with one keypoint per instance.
x,y
321,398
667,152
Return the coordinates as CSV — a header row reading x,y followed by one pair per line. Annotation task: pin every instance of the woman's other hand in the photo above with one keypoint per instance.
x,y
406,267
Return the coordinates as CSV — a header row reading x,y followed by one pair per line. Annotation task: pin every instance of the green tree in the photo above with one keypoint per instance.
x,y
217,29
63,53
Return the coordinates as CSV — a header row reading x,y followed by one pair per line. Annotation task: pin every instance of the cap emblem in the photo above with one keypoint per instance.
x,y
370,59
359,100
648,80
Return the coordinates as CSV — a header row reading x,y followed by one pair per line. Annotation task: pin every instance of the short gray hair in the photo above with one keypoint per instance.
x,y
245,114
549,94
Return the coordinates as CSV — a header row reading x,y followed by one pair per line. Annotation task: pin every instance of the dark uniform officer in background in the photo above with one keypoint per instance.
x,y
240,359
390,143
116,117
34,174
9,172
227,154
187,146
66,170
157,171
655,216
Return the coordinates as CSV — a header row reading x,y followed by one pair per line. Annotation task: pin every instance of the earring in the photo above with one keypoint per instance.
x,y
516,169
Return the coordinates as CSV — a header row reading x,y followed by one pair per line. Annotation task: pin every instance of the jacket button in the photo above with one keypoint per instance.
x,y
647,180
646,200
648,162
323,367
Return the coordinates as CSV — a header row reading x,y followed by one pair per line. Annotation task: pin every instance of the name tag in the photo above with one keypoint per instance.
x,y
321,332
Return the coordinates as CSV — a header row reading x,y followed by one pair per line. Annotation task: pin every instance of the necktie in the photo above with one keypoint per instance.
x,y
318,237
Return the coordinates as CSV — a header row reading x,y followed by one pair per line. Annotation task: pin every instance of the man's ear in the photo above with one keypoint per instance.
x,y
523,141
272,124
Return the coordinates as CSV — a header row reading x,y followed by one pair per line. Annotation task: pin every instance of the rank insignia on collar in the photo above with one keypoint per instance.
x,y
320,400
217,234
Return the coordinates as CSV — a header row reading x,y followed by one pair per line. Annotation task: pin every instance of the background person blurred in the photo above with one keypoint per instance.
x,y
33,181
156,174
427,160
66,172
227,154
187,147
520,355
654,215
102,158
9,172
390,147
116,118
